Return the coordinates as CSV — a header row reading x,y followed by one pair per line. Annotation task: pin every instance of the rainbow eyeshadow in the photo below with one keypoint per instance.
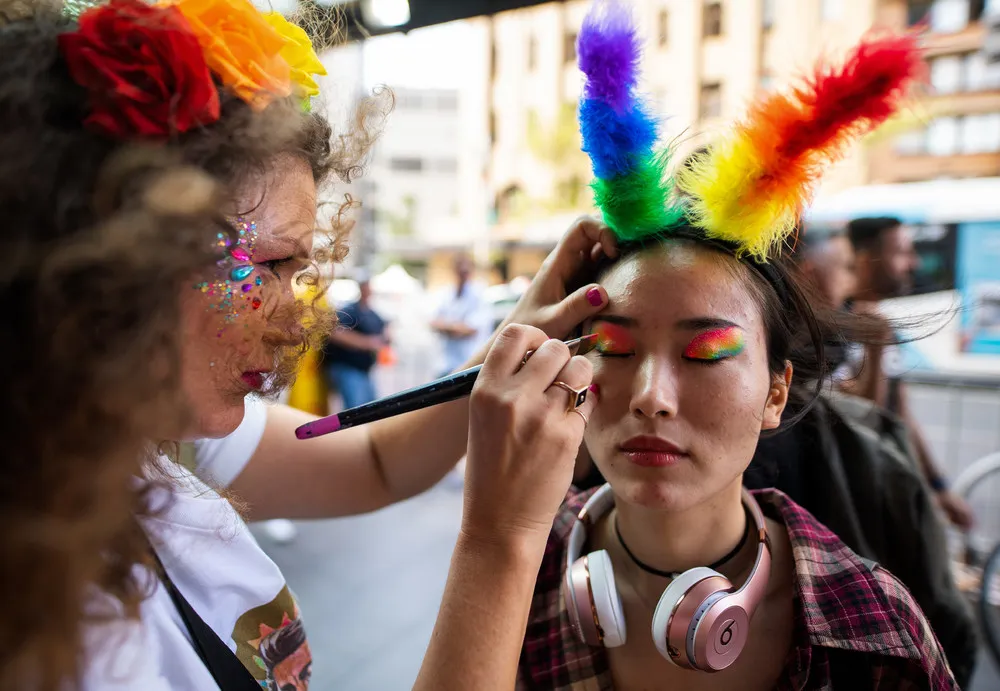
x,y
716,344
613,339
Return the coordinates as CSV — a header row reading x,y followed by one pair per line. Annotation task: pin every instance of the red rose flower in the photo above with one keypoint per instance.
x,y
144,69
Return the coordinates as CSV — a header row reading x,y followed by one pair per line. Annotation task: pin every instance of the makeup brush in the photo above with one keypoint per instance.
x,y
442,390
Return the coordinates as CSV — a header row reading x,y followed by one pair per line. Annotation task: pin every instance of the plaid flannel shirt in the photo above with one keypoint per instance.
x,y
855,628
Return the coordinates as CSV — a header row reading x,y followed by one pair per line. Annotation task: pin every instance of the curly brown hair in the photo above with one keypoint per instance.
x,y
98,237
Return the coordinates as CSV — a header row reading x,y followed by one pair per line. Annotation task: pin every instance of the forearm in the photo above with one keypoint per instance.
x,y
870,383
480,627
416,450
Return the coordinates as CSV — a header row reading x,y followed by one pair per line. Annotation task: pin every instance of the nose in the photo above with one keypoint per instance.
x,y
654,389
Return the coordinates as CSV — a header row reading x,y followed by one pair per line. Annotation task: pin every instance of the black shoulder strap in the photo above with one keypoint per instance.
x,y
222,663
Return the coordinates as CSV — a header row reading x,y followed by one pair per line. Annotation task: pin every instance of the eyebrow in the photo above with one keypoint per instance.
x,y
693,324
699,323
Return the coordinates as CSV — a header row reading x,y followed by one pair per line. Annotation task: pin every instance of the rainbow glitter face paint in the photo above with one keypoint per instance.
x,y
717,344
231,295
613,339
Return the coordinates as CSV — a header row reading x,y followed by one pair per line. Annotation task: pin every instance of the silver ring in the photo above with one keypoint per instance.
x,y
577,396
585,420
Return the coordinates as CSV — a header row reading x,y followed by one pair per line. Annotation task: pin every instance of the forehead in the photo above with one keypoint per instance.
x,y
282,202
676,281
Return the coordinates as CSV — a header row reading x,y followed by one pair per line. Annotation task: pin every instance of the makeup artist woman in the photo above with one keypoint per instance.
x,y
222,89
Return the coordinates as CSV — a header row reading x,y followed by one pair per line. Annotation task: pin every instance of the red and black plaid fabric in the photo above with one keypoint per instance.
x,y
855,628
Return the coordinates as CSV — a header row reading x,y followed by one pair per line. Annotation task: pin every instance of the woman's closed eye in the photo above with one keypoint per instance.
x,y
613,340
274,264
716,345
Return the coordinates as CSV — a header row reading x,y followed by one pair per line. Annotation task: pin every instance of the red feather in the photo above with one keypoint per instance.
x,y
857,96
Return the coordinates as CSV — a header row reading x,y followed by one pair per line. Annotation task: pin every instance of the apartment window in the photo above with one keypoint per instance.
x,y
532,52
980,74
767,15
712,19
831,10
406,164
912,143
446,165
569,47
942,137
663,28
949,16
946,74
918,10
979,134
447,101
710,103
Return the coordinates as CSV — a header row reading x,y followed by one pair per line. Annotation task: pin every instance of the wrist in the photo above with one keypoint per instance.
x,y
505,548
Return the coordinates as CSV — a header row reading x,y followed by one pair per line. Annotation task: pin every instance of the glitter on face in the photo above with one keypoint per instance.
x,y
716,344
230,293
613,339
240,272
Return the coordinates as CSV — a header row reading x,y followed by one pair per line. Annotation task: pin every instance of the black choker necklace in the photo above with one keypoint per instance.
x,y
674,574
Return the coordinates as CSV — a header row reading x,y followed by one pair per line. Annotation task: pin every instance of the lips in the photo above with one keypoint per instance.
x,y
255,380
652,452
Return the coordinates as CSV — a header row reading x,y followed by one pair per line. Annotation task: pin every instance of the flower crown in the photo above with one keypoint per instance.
x,y
155,70
749,189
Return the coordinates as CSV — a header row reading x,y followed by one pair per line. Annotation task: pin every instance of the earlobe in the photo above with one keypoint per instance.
x,y
777,399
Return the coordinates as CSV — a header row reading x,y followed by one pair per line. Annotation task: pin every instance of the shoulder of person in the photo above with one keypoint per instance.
x,y
119,654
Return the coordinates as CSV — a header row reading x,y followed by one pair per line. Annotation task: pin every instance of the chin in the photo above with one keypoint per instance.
x,y
655,489
216,421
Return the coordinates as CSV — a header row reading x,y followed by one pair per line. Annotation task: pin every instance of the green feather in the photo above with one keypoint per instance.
x,y
633,204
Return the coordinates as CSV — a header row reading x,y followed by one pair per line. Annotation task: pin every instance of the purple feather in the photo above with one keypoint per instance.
x,y
609,52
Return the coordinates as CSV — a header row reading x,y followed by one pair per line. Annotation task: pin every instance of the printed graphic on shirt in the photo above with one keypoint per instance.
x,y
271,643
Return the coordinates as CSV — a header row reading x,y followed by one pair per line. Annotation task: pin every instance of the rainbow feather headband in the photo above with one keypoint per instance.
x,y
751,187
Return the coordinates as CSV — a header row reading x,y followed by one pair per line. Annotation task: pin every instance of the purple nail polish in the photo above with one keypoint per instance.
x,y
594,389
594,297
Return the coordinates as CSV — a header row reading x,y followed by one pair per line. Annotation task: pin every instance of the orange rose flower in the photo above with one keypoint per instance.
x,y
240,47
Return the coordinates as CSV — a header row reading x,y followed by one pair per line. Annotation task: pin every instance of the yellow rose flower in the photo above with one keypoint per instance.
x,y
299,54
241,48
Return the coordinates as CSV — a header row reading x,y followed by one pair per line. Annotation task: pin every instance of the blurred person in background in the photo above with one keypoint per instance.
x,y
825,259
886,261
351,351
464,320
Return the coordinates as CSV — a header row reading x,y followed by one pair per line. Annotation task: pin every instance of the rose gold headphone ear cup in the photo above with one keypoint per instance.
x,y
607,601
673,612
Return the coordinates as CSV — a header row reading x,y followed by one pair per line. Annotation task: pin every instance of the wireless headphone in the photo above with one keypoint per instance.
x,y
701,622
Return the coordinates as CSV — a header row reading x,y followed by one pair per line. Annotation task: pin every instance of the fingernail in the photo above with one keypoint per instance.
x,y
594,297
595,389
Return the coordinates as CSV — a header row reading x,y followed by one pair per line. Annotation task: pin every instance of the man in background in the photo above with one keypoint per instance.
x,y
464,319
886,261
352,349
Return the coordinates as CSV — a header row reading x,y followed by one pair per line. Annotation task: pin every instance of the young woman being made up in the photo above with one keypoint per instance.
x,y
671,576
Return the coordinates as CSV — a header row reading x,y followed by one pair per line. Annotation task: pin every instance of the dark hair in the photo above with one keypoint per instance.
x,y
97,238
866,233
797,330
279,645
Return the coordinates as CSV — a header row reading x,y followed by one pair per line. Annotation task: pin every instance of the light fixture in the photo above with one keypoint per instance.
x,y
385,14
